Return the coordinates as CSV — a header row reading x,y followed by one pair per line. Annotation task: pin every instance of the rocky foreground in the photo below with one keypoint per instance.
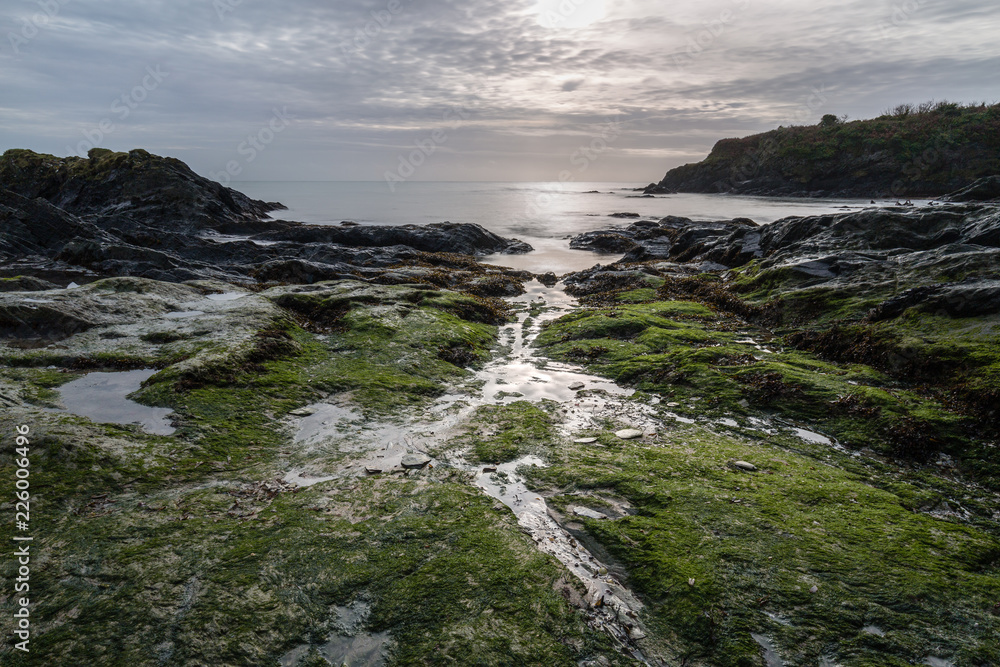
x,y
757,445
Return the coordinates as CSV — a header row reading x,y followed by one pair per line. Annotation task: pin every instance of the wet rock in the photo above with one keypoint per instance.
x,y
415,461
629,434
548,279
142,215
985,189
25,284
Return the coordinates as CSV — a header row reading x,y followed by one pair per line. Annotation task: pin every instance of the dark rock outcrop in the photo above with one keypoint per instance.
x,y
942,259
136,214
670,238
985,189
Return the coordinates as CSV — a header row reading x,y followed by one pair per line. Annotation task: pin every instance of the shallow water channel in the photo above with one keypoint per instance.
x,y
516,373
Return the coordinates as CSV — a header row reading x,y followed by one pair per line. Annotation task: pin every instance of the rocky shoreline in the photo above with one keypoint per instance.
x,y
738,445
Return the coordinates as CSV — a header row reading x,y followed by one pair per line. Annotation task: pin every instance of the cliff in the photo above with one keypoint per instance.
x,y
927,151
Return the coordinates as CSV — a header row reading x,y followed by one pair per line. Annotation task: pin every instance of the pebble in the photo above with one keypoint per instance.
x,y
577,386
415,460
814,589
743,465
629,434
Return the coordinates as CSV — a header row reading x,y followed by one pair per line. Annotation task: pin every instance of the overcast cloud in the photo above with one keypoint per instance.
x,y
502,89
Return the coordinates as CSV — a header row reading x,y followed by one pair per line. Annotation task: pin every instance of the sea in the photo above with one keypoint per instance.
x,y
544,215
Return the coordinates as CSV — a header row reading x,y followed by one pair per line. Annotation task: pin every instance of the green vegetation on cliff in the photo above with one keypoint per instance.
x,y
931,150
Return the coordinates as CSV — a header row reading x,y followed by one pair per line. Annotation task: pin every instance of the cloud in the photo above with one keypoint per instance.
x,y
365,78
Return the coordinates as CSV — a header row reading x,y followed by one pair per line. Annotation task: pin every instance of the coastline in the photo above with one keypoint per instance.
x,y
783,440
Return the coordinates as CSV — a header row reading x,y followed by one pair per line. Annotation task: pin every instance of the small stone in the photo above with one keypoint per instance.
x,y
372,471
490,469
577,386
743,465
303,412
415,460
673,405
629,434
814,589
690,582
585,441
588,513
636,633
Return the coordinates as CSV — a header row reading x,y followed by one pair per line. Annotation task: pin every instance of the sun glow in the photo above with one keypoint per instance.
x,y
570,13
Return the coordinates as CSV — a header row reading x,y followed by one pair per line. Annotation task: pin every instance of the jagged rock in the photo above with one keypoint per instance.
x,y
137,214
985,189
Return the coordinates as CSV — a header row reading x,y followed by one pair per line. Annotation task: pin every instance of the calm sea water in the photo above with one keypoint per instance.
x,y
545,215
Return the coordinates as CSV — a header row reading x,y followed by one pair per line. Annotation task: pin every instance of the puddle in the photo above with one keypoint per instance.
x,y
226,296
102,397
350,645
183,314
937,662
811,437
781,620
771,657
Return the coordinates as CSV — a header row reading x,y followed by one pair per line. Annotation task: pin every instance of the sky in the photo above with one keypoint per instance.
x,y
470,90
